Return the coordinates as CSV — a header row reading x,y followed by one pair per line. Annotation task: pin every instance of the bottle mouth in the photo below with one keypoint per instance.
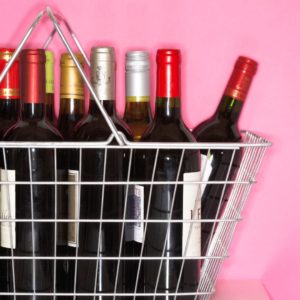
x,y
66,59
137,61
246,65
7,50
6,53
241,77
168,56
34,56
32,66
104,53
137,55
49,56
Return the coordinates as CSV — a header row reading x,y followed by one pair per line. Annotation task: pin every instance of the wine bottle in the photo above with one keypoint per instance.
x,y
222,127
49,104
71,111
168,202
137,111
137,116
35,201
71,95
9,92
9,107
92,274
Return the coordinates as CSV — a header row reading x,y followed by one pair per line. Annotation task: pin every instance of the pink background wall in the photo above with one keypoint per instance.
x,y
211,35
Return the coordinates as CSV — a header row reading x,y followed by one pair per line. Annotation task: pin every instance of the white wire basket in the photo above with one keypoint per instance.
x,y
170,270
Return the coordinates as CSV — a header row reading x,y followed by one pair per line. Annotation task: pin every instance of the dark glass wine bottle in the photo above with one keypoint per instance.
x,y
137,111
49,103
222,127
169,127
92,274
71,111
9,108
137,116
35,201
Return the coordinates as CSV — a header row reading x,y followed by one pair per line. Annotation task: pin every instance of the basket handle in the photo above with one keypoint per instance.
x,y
48,11
106,117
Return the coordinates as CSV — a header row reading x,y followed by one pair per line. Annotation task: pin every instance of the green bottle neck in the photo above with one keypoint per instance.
x,y
229,109
168,109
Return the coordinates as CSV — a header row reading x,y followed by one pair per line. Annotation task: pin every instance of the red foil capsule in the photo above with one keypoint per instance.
x,y
32,67
168,73
241,77
9,86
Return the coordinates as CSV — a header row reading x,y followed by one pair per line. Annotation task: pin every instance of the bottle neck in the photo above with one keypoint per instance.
x,y
236,90
71,106
137,110
109,106
71,89
168,109
9,109
32,112
32,70
229,109
168,92
49,106
137,91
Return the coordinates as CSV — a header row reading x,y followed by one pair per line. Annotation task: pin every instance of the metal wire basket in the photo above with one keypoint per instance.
x,y
223,225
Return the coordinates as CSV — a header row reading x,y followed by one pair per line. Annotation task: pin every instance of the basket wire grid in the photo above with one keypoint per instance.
x,y
252,146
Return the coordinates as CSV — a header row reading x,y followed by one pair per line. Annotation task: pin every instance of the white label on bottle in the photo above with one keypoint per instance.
x,y
206,168
135,211
73,211
191,211
8,209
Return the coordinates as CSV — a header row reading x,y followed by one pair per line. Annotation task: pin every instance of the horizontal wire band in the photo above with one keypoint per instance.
x,y
167,258
119,183
107,294
140,145
121,221
146,146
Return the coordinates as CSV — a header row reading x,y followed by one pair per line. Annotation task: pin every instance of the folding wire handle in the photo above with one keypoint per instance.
x,y
53,17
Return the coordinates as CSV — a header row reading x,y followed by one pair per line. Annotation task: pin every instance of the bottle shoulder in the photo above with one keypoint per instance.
x,y
33,131
168,132
94,128
216,130
64,118
5,125
123,127
169,159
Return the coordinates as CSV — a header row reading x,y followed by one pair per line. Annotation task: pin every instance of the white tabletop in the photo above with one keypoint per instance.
x,y
240,290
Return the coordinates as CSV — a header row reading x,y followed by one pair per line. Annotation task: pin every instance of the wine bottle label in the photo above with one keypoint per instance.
x,y
73,211
191,232
206,168
8,209
135,211
62,209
